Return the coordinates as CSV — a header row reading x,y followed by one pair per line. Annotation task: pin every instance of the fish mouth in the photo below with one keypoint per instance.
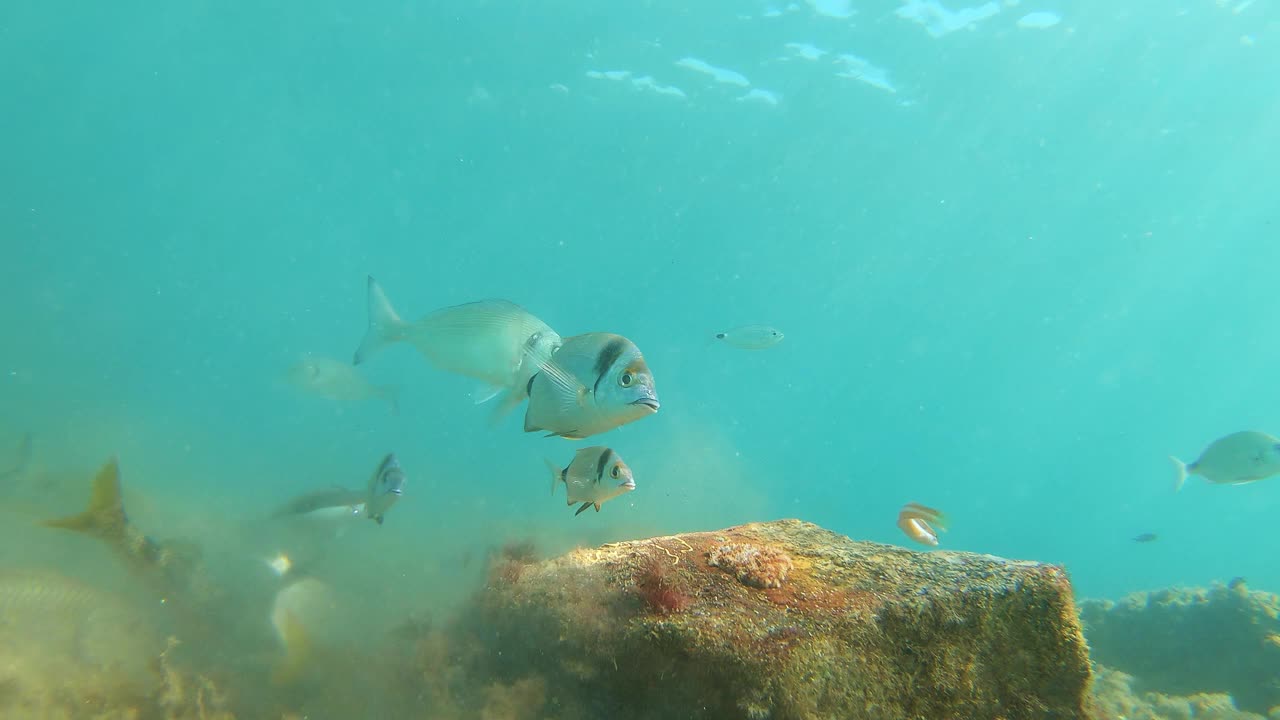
x,y
651,403
397,491
629,485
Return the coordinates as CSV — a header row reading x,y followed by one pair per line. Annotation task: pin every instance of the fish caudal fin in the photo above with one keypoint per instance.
x,y
104,518
510,401
1181,468
385,326
557,475
297,651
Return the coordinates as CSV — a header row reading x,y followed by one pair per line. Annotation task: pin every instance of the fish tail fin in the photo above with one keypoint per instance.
x,y
104,518
1181,468
391,394
557,475
297,651
385,326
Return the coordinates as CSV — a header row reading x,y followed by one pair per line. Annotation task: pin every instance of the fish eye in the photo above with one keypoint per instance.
x,y
614,472
626,379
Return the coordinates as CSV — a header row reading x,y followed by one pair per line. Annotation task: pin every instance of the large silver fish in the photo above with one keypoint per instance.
x,y
494,341
594,382
1235,459
336,380
594,476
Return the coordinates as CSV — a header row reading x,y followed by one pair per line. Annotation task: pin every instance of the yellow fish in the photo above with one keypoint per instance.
x,y
593,383
494,341
594,476
914,519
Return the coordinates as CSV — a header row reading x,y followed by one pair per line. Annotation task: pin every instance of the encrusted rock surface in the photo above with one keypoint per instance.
x,y
794,622
1185,641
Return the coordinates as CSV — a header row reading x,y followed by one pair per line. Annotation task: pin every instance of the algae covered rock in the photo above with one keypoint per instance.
x,y
780,620
1224,639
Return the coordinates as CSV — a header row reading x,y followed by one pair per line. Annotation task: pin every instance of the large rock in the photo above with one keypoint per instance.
x,y
1185,641
778,620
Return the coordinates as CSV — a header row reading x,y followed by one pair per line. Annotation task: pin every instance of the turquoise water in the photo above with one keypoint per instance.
x,y
1017,267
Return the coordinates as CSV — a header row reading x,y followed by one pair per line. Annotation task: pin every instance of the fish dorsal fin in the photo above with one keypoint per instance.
x,y
105,517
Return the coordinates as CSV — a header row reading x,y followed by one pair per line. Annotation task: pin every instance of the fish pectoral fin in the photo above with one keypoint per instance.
x,y
570,392
485,392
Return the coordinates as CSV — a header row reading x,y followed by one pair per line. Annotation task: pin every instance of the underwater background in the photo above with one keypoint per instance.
x,y
1022,252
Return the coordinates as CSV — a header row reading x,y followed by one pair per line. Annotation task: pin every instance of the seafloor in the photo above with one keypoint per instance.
x,y
777,620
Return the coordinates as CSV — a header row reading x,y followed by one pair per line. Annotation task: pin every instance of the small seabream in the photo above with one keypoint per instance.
x,y
1235,459
1146,538
917,522
494,341
751,337
594,476
331,502
595,382
386,485
335,380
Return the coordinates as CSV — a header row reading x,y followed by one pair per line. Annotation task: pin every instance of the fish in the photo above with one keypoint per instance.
x,y
915,520
301,610
595,382
494,341
331,502
21,459
1234,459
335,380
169,567
751,337
386,485
59,628
1146,538
594,476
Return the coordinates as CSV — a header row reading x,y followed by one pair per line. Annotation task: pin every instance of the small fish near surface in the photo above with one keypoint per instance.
x,y
1234,459
751,337
595,382
335,380
494,341
917,522
594,476
1146,538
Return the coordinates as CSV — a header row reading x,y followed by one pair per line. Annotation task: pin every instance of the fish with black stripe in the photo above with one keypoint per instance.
x,y
594,476
593,383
